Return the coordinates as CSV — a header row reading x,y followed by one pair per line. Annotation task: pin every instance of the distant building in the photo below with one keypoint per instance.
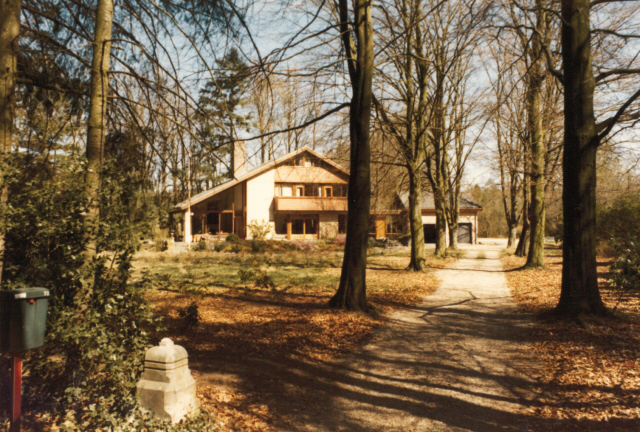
x,y
467,223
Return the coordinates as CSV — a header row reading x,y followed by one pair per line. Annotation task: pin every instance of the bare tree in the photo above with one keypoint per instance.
x,y
357,43
582,137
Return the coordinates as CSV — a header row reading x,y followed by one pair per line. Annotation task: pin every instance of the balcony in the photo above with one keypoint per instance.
x,y
311,204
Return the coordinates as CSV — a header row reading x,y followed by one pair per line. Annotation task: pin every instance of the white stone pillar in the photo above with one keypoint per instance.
x,y
167,388
187,226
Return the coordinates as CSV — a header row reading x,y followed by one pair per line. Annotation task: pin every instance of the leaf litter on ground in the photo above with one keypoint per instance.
x,y
591,376
293,320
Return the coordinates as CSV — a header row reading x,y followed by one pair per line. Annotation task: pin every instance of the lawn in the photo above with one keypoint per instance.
x,y
591,375
241,323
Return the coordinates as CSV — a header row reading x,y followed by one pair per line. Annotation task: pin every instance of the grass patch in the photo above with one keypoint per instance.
x,y
481,255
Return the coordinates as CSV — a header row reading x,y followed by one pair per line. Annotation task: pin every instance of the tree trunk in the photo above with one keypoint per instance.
x,y
9,33
351,293
512,235
99,95
418,256
579,293
523,242
535,258
441,226
454,218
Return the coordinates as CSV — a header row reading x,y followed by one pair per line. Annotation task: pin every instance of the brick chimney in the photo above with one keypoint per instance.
x,y
238,158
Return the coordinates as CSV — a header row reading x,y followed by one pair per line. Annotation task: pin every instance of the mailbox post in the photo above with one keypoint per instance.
x,y
23,321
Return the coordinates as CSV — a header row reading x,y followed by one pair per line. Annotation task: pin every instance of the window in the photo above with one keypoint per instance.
x,y
299,191
287,191
308,190
328,191
304,226
278,190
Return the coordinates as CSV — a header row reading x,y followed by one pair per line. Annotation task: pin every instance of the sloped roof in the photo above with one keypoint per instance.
x,y
427,202
253,173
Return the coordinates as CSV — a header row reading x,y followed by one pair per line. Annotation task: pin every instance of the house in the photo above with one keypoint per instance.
x,y
301,195
467,222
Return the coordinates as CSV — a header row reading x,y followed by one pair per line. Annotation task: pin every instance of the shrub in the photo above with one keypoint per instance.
x,y
258,275
99,319
200,246
259,231
257,245
263,280
237,248
232,238
219,246
190,315
625,271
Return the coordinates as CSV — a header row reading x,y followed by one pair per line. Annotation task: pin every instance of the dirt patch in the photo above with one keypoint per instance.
x,y
591,376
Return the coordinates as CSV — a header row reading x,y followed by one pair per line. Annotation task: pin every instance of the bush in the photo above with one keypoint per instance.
x,y
232,238
259,231
200,246
190,315
257,245
219,246
625,271
258,275
99,319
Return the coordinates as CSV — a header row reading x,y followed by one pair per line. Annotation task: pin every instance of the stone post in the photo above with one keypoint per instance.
x,y
167,388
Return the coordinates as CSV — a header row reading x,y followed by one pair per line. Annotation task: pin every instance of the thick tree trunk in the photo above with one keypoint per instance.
x,y
9,32
351,293
579,293
99,95
513,228
453,236
441,226
418,256
535,258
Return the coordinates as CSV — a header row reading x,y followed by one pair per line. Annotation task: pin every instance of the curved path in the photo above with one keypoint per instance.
x,y
457,362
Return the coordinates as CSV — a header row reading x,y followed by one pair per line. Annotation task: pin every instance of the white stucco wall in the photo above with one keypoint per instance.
x,y
328,225
260,194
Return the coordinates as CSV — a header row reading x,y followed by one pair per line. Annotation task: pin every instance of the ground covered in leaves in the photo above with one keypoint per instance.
x,y
237,322
591,375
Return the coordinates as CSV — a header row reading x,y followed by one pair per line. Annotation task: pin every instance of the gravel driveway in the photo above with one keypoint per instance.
x,y
457,362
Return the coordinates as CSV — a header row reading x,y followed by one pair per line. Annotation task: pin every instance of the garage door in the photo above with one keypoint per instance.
x,y
464,233
429,233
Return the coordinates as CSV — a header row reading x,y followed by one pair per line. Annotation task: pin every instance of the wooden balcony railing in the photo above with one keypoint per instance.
x,y
311,204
